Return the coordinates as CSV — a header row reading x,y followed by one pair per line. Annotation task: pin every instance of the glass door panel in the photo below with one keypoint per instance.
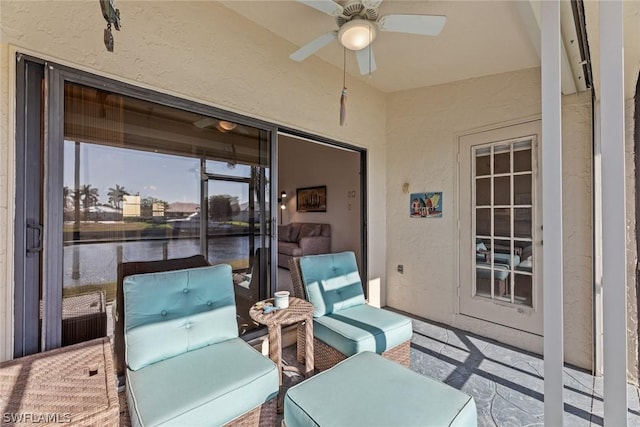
x,y
135,189
499,256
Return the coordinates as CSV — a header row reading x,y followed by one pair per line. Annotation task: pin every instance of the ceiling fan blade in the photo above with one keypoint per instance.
x,y
327,6
426,25
362,56
313,46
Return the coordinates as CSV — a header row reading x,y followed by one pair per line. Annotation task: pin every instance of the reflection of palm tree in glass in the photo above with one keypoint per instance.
x,y
89,196
116,196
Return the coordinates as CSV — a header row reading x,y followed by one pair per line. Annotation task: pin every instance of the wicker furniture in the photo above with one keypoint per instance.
x,y
186,364
299,311
71,386
326,355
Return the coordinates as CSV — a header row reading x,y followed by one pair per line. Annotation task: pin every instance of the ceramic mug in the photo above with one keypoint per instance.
x,y
281,299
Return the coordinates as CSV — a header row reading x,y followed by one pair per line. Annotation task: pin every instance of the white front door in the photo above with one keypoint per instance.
x,y
500,230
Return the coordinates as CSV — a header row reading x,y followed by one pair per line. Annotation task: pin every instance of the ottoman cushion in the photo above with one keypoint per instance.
x,y
368,390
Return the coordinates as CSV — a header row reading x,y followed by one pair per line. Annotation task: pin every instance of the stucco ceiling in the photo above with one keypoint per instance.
x,y
480,38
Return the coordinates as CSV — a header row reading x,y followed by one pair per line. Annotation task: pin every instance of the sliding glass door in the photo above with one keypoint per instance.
x,y
128,178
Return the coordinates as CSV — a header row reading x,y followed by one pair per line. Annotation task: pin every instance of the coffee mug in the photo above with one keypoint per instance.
x,y
281,299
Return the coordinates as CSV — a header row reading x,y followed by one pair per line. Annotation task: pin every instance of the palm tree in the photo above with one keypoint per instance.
x,y
116,195
89,196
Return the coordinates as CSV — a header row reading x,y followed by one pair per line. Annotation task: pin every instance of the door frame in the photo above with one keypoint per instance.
x,y
27,266
55,76
501,132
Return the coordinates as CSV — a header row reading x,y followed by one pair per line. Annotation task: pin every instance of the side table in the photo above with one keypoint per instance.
x,y
299,310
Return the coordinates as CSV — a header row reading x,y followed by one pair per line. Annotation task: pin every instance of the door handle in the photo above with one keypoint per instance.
x,y
37,228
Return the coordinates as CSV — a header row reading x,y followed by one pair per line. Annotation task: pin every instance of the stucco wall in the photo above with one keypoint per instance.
x,y
196,50
422,146
304,164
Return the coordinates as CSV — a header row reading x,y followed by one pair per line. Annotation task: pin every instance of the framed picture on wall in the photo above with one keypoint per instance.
x,y
426,205
311,199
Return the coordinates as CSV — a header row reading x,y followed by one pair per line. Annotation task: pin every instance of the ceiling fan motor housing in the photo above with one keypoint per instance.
x,y
358,9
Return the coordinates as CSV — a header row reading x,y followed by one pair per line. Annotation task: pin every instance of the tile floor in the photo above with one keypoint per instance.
x,y
506,383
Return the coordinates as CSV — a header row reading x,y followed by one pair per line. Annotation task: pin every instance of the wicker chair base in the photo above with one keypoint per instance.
x,y
326,356
263,416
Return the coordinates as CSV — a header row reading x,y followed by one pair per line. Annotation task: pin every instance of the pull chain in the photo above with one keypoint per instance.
x,y
343,97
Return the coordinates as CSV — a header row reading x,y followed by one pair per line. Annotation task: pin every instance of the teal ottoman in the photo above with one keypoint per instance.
x,y
369,390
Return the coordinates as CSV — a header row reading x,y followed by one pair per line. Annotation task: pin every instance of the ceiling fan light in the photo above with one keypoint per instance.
x,y
357,34
225,126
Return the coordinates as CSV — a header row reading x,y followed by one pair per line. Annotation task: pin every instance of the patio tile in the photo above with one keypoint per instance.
x,y
434,331
505,413
506,383
427,344
430,365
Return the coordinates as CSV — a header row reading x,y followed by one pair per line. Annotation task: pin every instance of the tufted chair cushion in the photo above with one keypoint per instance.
x,y
174,312
332,282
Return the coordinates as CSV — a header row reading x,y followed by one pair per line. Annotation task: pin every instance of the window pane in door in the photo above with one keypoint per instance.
x,y
483,162
502,191
523,289
522,159
502,159
504,226
483,192
502,222
483,221
522,222
522,189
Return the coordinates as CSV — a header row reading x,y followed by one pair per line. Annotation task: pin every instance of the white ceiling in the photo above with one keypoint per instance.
x,y
480,38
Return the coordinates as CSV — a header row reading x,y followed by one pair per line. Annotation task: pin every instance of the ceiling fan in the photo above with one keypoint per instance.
x,y
358,24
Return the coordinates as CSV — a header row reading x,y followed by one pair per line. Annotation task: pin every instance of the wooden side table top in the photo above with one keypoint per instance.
x,y
72,385
298,311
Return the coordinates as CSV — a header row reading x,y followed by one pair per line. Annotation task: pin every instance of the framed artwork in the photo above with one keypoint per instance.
x,y
426,205
311,199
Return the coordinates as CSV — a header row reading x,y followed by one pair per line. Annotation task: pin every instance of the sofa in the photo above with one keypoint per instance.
x,y
302,238
186,364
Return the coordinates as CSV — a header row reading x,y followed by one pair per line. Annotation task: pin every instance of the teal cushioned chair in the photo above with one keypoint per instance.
x,y
185,362
343,323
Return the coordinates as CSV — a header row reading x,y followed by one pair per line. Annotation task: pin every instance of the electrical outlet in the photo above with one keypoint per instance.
x,y
400,268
